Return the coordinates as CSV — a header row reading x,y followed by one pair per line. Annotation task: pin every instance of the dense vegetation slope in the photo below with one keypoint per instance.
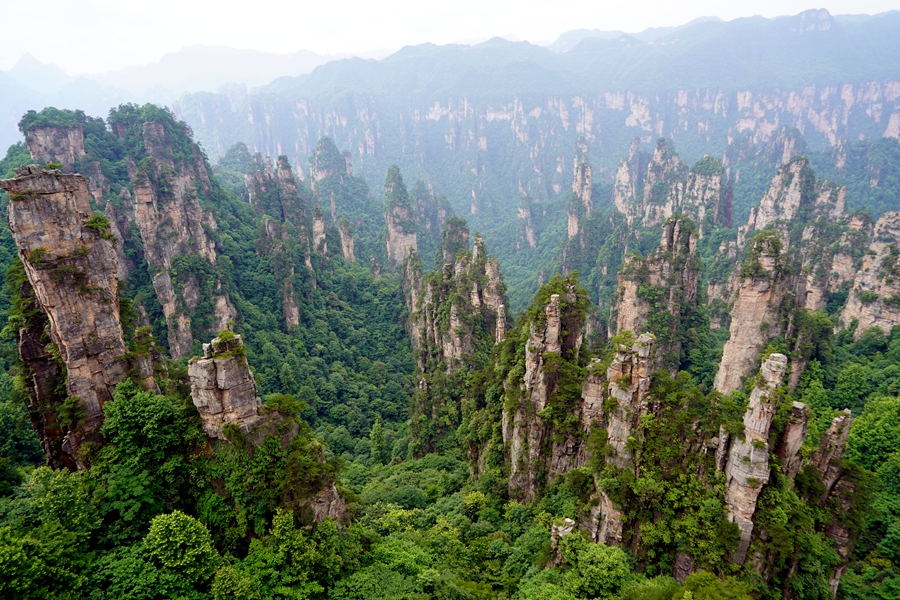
x,y
416,432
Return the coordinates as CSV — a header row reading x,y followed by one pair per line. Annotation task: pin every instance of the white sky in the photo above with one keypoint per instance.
x,y
90,36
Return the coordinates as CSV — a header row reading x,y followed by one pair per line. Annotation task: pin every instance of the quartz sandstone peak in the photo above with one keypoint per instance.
x,y
755,318
874,299
63,145
71,263
662,283
747,470
223,388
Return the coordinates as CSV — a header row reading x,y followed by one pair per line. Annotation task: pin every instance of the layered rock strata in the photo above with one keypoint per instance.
x,y
747,470
582,202
555,336
223,388
469,289
654,290
874,299
756,316
71,263
63,145
166,209
667,187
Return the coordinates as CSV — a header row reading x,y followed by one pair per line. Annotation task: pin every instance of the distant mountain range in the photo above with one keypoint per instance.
x,y
749,52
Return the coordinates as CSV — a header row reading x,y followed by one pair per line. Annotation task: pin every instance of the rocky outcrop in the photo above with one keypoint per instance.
x,y
756,316
628,179
275,190
629,384
874,299
747,470
400,217
452,312
71,263
223,388
526,216
166,209
347,245
320,244
524,431
839,492
667,187
468,292
832,445
582,201
527,433
62,145
653,290
792,440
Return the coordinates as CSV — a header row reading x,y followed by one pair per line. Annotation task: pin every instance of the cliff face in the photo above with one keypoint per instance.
x,y
400,217
747,470
449,312
653,291
553,337
223,388
537,133
667,187
582,188
874,299
756,316
347,243
71,263
782,200
629,377
452,313
63,145
172,224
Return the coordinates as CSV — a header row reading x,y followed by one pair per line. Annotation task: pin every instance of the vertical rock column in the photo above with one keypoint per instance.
x,y
70,260
223,388
526,433
838,491
756,316
629,384
748,461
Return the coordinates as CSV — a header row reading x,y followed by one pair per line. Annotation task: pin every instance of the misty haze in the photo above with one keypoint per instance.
x,y
466,302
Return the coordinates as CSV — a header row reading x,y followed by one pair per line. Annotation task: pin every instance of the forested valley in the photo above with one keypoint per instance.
x,y
324,376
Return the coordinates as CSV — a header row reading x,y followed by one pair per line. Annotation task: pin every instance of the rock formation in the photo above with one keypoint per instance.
x,y
553,337
526,216
629,384
469,290
452,312
747,470
668,187
792,440
839,492
582,202
756,316
172,224
874,299
400,217
654,290
223,388
71,263
347,245
320,244
62,145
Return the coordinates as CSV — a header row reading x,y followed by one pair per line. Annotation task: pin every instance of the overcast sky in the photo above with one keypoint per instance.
x,y
91,36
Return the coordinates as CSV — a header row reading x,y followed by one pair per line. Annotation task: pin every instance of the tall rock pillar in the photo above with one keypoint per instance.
x,y
70,260
748,461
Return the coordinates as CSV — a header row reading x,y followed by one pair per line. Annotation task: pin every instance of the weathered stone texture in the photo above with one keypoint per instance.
x,y
748,462
223,388
73,269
